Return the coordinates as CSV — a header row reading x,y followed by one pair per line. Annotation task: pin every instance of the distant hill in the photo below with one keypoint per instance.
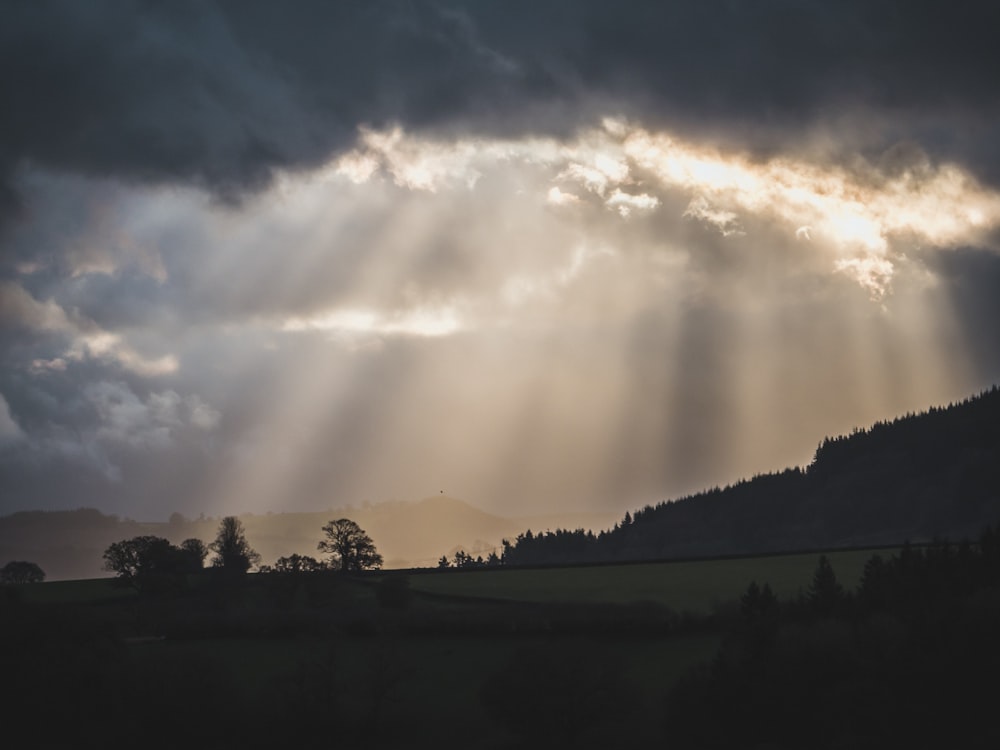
x,y
70,544
921,476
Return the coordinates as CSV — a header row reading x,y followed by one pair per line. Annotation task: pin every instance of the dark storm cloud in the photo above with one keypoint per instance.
x,y
220,94
972,277
142,91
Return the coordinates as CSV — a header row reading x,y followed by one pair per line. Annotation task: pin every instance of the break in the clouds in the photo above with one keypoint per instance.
x,y
565,255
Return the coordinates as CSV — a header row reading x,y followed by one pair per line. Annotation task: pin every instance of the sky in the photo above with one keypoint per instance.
x,y
541,256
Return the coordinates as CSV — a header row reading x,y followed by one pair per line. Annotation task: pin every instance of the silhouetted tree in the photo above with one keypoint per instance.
x,y
749,602
296,563
506,552
146,563
196,551
768,601
21,571
873,591
349,547
760,617
443,562
232,551
825,594
758,602
464,559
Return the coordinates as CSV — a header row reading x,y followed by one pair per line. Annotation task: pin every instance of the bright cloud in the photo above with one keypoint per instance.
x,y
626,203
602,172
87,340
110,346
127,420
850,211
557,197
853,210
727,222
873,273
424,322
19,307
10,430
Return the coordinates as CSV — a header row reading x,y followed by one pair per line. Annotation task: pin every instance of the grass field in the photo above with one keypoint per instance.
x,y
91,590
694,586
290,647
435,681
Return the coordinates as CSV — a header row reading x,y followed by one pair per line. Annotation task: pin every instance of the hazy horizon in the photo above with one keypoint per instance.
x,y
544,258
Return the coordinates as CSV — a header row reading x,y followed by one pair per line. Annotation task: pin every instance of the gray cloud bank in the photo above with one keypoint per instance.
x,y
221,94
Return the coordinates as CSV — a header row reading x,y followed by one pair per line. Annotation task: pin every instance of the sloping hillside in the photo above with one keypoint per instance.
x,y
935,474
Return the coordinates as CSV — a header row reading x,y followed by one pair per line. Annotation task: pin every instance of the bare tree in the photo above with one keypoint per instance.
x,y
349,547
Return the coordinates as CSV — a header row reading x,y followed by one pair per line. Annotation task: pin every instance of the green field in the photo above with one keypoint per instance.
x,y
91,590
690,586
694,586
319,645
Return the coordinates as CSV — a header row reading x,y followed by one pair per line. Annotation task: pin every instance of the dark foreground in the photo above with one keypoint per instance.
x,y
910,657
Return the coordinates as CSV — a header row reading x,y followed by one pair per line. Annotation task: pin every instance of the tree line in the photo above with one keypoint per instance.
x,y
463,559
905,659
150,563
921,476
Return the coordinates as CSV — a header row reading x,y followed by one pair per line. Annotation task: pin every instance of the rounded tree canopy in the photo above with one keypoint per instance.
x,y
21,571
349,547
148,563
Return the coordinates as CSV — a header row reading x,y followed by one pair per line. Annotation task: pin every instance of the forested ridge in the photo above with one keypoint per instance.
x,y
918,477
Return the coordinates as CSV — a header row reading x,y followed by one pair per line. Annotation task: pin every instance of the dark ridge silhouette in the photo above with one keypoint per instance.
x,y
917,477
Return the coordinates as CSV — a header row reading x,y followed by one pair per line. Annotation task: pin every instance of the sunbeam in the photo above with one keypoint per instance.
x,y
602,320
